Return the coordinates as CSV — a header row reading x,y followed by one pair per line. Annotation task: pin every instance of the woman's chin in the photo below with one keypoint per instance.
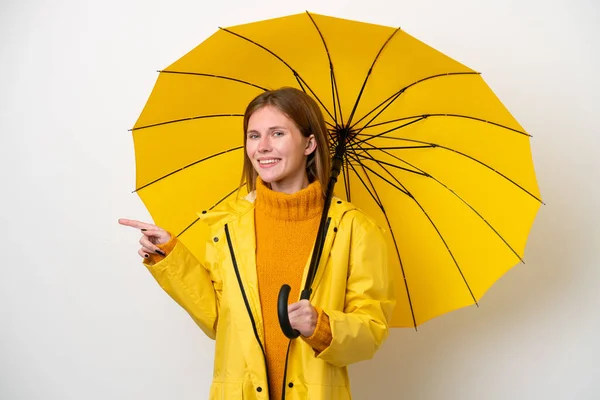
x,y
268,178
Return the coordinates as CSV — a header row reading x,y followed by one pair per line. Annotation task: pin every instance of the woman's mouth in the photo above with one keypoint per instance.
x,y
268,162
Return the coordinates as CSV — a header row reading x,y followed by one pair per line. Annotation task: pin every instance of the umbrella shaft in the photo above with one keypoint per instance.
x,y
338,161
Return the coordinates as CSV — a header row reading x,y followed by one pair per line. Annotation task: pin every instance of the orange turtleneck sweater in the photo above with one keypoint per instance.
x,y
286,228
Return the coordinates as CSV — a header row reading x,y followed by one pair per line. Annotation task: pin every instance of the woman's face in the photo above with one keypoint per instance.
x,y
277,150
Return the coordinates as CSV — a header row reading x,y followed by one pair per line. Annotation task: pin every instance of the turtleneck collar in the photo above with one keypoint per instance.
x,y
302,205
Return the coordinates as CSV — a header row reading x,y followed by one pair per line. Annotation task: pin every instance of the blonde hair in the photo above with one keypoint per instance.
x,y
304,111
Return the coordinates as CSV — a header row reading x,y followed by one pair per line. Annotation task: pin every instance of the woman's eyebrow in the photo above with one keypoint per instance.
x,y
272,128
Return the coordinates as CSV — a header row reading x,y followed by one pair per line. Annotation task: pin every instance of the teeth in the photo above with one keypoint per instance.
x,y
268,161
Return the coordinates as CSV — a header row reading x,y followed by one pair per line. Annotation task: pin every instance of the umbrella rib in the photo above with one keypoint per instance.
x,y
186,119
334,89
378,201
368,75
330,124
332,143
371,190
406,147
298,77
215,76
437,230
434,145
187,166
357,144
403,190
336,104
370,137
427,175
423,116
369,126
371,158
213,206
390,100
395,96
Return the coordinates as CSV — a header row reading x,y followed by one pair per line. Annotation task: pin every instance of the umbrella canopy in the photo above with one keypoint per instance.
x,y
431,153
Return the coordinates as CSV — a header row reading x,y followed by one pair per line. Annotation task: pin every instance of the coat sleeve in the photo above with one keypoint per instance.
x,y
361,328
191,285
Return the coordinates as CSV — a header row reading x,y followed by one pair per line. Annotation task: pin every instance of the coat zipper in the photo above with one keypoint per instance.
x,y
239,278
287,355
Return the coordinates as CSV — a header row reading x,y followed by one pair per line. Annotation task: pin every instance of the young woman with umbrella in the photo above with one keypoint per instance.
x,y
263,241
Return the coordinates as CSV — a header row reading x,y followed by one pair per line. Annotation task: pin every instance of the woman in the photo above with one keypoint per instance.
x,y
265,240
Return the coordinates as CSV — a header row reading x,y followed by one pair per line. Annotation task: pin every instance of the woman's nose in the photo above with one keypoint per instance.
x,y
264,145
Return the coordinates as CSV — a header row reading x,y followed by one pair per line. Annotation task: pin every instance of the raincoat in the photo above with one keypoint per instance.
x,y
353,285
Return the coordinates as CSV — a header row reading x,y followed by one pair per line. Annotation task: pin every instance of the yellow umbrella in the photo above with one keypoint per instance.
x,y
430,151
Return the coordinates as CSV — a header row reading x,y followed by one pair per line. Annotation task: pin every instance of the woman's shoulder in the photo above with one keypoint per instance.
x,y
226,210
347,213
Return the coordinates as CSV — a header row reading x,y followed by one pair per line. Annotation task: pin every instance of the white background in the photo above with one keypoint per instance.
x,y
81,318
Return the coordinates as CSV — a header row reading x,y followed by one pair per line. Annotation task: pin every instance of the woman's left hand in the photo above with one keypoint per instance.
x,y
303,317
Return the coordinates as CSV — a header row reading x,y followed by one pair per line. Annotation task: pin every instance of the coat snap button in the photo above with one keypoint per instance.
x,y
216,239
259,389
339,202
204,212
335,229
290,385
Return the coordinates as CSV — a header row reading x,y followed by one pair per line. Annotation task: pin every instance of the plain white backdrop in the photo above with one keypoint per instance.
x,y
81,318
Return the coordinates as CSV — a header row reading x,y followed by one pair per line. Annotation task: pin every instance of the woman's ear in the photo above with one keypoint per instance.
x,y
311,145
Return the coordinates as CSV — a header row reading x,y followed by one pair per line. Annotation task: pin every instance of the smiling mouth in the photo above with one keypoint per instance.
x,y
270,161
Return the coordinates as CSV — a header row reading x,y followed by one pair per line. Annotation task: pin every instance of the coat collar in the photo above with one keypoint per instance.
x,y
235,209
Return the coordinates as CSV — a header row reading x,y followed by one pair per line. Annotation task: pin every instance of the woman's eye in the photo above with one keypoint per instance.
x,y
277,133
252,136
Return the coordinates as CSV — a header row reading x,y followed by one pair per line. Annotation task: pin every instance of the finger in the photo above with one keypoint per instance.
x,y
143,253
136,224
151,247
154,232
147,250
294,307
299,315
157,236
302,304
305,303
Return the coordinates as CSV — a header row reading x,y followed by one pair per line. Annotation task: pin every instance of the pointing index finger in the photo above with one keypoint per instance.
x,y
135,224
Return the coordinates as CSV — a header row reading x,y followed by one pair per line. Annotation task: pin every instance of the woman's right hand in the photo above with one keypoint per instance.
x,y
152,236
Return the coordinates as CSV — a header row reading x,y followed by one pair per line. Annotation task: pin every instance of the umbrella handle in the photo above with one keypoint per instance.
x,y
282,311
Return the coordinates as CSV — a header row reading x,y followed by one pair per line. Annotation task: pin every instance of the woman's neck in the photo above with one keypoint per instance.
x,y
290,186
